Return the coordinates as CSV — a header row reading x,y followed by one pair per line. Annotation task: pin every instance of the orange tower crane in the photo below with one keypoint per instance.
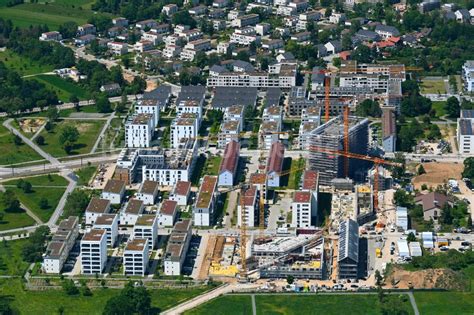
x,y
377,161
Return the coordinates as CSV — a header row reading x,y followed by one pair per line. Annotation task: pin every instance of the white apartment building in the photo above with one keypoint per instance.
x,y
269,134
251,206
275,164
224,47
245,20
139,130
199,45
61,244
180,193
118,48
468,75
167,213
245,36
114,191
191,106
51,36
170,9
262,29
286,11
273,113
178,245
135,257
302,207
132,211
229,164
183,129
94,252
108,222
465,134
95,208
153,37
203,211
143,45
191,35
230,131
172,51
304,133
148,192
146,227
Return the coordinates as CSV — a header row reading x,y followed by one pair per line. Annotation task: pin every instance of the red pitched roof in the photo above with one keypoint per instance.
x,y
302,196
310,180
231,157
249,196
275,160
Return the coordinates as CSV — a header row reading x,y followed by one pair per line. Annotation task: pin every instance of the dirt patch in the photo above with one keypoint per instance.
x,y
128,77
151,85
83,127
31,125
438,174
426,279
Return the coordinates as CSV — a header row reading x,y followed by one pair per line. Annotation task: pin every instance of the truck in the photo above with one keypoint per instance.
x,y
378,252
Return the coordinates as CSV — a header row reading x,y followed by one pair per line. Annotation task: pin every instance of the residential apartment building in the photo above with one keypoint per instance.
x,y
178,245
249,200
229,164
203,211
94,251
468,76
183,129
275,164
114,191
51,36
148,192
389,130
180,193
95,208
190,106
303,207
299,101
133,209
245,20
465,134
135,257
118,48
269,134
167,213
230,131
348,258
245,36
61,244
139,130
146,227
150,107
108,222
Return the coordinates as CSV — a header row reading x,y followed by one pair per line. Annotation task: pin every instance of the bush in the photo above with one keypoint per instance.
x,y
69,287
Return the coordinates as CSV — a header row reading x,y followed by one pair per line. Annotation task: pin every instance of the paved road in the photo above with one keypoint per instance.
x,y
52,160
102,132
413,303
72,179
254,306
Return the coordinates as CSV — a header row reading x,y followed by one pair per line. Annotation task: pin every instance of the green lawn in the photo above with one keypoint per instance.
x,y
437,303
85,175
22,65
212,165
10,153
51,14
433,86
13,220
11,262
229,304
439,107
297,168
88,132
63,88
31,200
49,301
298,304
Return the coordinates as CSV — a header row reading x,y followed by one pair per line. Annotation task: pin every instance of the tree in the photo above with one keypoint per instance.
x,y
39,140
76,203
452,107
68,29
68,137
75,100
378,278
17,140
69,287
362,54
10,201
129,301
421,170
402,198
103,104
34,248
183,17
43,203
411,237
369,108
27,187
290,279
52,113
468,171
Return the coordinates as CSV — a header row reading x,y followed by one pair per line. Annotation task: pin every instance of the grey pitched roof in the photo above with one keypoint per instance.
x,y
217,68
387,28
243,64
367,35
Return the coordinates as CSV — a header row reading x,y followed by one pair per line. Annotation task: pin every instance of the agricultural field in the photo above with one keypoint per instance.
x,y
63,88
50,14
88,133
299,304
22,65
12,153
46,187
39,302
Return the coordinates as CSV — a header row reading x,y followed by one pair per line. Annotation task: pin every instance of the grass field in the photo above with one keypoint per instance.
x,y
298,304
11,153
64,89
51,14
11,262
88,132
13,220
52,190
439,108
22,65
40,302
433,86
85,175
212,165
438,303
230,304
83,109
297,167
